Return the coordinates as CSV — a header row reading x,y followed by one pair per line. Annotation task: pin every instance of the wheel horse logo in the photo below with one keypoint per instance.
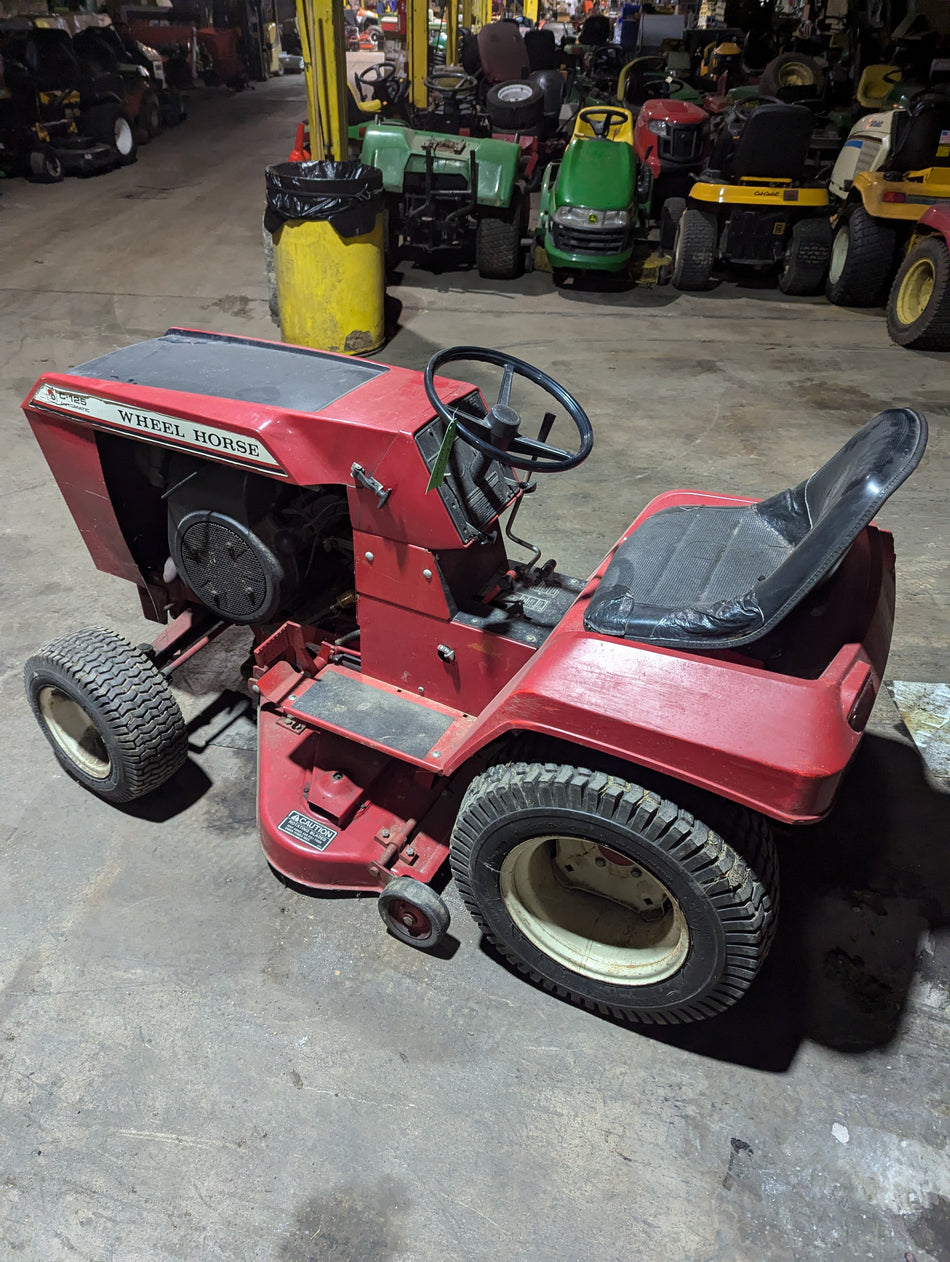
x,y
160,428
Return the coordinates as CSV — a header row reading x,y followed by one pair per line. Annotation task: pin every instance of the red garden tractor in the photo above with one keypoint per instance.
x,y
597,758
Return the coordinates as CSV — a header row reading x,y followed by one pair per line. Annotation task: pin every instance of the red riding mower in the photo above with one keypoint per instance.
x,y
597,758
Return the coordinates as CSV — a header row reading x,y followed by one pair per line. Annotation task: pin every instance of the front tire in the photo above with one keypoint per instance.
x,y
608,895
806,263
694,251
862,254
108,713
918,309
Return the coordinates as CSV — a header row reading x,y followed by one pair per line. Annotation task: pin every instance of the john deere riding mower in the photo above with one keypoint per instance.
x,y
893,165
596,201
754,206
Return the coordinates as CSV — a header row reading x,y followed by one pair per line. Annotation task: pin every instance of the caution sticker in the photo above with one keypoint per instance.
x,y
310,831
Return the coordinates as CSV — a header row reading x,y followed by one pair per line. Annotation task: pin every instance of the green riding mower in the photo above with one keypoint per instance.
x,y
596,201
453,193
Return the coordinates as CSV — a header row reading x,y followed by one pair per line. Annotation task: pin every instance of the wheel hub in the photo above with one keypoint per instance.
x,y
915,292
839,252
75,733
594,911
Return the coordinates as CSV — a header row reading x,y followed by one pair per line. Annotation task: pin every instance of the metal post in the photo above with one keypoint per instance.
x,y
529,9
417,51
324,49
482,12
451,32
467,13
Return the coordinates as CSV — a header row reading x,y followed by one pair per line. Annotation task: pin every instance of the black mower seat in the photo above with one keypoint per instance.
x,y
773,144
709,577
917,134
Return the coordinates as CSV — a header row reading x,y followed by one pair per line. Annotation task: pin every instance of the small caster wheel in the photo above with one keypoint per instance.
x,y
414,913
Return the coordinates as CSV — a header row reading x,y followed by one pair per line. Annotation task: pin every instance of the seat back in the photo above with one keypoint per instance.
x,y
541,47
918,134
773,144
502,52
822,516
874,87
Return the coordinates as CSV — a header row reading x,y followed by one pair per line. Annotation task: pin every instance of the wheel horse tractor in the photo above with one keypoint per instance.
x,y
598,759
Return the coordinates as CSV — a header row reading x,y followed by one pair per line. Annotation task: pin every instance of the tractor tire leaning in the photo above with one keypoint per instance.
x,y
608,895
694,250
499,254
515,106
110,124
862,254
108,713
791,70
918,309
806,263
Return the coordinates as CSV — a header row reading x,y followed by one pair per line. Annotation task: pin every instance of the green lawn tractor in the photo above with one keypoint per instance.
x,y
596,201
453,193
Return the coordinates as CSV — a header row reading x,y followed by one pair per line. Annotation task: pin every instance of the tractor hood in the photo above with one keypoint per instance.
x,y
600,174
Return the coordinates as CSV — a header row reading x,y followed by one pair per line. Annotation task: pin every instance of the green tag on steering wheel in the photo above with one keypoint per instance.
x,y
437,476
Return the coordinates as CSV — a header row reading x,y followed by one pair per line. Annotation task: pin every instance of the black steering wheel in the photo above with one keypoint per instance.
x,y
450,82
607,116
749,104
381,74
497,434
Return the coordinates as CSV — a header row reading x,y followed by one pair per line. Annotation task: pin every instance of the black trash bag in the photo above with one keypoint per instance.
x,y
347,195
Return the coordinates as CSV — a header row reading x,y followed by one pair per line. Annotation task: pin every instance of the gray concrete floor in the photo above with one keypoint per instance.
x,y
198,1063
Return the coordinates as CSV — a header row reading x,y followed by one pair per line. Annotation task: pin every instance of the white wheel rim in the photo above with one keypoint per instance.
x,y
839,252
123,137
594,911
512,93
75,733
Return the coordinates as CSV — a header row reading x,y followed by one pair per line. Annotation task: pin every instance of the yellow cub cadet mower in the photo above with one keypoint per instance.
x,y
893,165
753,206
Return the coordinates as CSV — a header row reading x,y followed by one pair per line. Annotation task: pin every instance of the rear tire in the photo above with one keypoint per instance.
x,y
499,254
862,254
108,713
110,124
694,251
918,309
806,263
608,895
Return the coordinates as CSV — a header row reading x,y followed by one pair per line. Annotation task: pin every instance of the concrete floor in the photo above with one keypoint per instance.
x,y
198,1063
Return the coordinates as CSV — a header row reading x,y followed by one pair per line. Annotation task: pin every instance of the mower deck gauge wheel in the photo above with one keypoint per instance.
x,y
108,713
414,913
45,166
611,896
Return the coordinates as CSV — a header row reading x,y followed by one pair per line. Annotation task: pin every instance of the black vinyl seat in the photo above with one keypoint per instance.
x,y
918,132
710,577
772,144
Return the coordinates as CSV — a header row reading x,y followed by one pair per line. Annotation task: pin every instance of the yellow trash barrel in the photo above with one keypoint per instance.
x,y
326,220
